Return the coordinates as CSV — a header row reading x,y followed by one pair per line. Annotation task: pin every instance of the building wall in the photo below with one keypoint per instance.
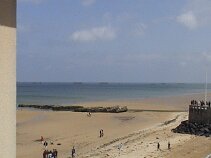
x,y
7,78
199,115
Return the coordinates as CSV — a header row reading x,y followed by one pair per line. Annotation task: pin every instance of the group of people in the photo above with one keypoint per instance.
x,y
158,146
101,133
46,153
50,154
54,153
200,103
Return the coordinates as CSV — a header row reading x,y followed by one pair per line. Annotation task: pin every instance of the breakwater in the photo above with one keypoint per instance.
x,y
113,109
187,127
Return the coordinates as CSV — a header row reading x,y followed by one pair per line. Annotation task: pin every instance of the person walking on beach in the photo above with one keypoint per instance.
x,y
73,152
50,154
158,146
102,133
169,145
44,154
45,144
42,139
55,153
89,114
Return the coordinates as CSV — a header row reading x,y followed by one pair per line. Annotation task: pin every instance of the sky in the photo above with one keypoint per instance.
x,y
113,41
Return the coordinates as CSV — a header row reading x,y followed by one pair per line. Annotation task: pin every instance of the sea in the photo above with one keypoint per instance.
x,y
80,92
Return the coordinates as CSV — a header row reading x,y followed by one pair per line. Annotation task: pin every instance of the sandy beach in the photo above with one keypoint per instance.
x,y
135,132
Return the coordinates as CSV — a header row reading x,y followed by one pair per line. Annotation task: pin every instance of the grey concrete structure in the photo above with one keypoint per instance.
x,y
200,114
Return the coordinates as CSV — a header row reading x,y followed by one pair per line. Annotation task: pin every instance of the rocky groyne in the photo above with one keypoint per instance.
x,y
113,109
187,127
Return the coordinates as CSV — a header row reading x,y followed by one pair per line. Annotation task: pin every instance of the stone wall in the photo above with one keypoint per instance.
x,y
199,114
8,78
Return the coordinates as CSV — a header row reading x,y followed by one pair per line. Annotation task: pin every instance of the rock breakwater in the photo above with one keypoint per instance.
x,y
187,127
113,109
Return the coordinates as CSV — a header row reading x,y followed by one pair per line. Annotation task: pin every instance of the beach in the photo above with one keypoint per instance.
x,y
106,79
131,134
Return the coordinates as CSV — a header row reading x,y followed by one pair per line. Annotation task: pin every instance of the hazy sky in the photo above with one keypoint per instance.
x,y
114,40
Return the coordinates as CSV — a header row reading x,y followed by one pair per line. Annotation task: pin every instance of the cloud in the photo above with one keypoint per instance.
x,y
207,57
200,59
188,19
87,2
93,34
195,14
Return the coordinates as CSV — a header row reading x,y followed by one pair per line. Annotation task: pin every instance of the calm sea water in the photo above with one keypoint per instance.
x,y
73,93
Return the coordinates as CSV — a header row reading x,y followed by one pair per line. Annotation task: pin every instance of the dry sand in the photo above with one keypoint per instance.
x,y
138,132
